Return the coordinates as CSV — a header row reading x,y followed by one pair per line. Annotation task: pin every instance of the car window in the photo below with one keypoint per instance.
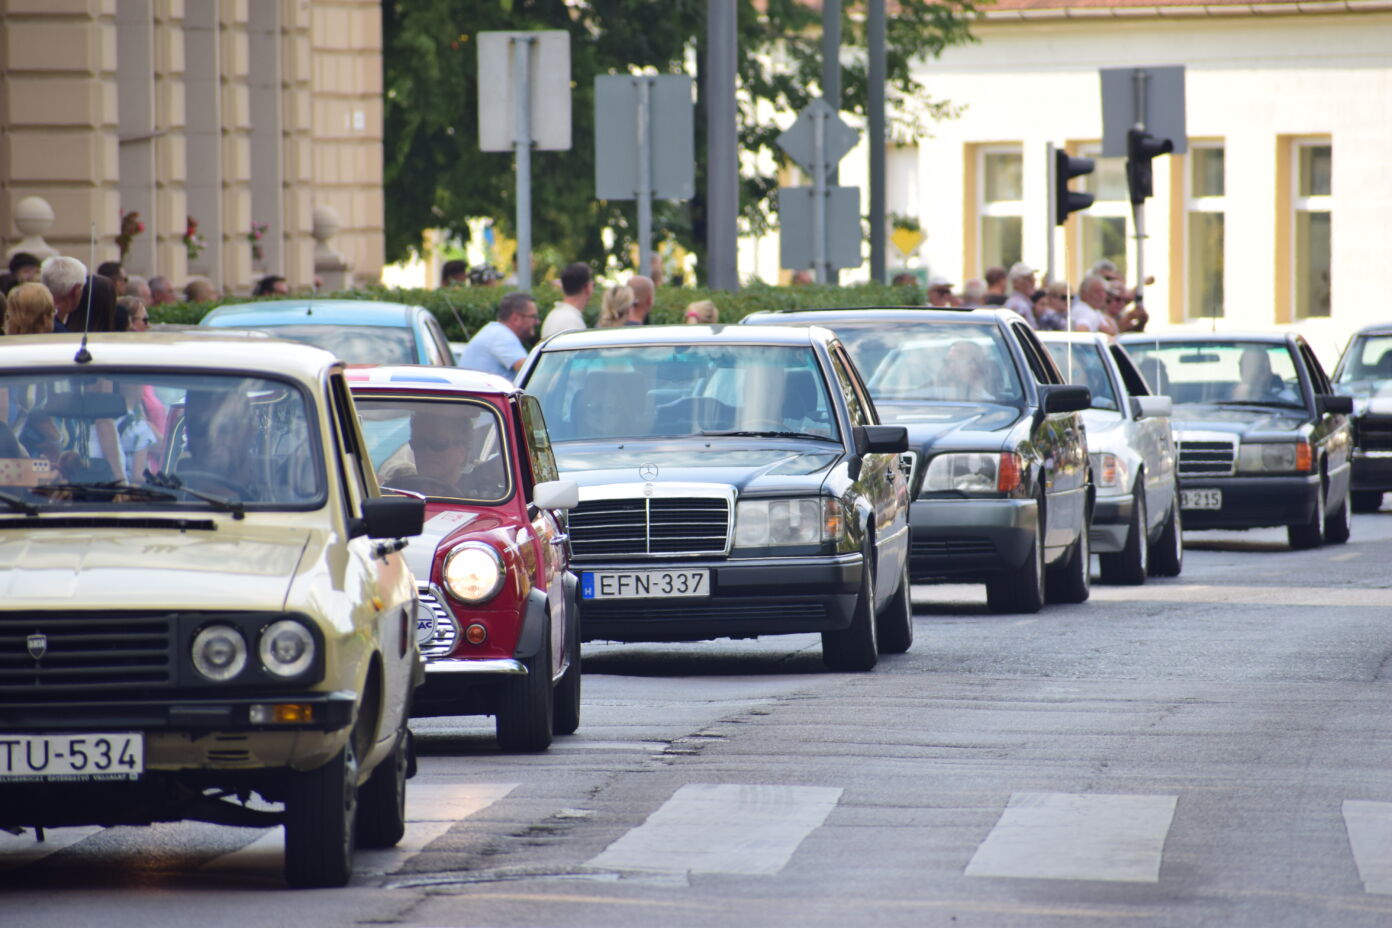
x,y
1211,371
353,344
437,344
645,391
858,383
442,448
350,440
539,454
915,363
1368,358
1035,356
1320,382
1130,374
168,433
1084,364
854,407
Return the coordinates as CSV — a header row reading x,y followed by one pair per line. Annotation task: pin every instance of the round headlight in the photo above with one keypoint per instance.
x,y
219,652
286,648
474,572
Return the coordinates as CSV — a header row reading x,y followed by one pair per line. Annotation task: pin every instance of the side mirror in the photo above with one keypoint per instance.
x,y
880,439
1066,397
1145,407
556,494
391,517
1334,403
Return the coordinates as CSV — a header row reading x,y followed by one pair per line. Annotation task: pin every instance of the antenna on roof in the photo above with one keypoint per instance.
x,y
84,356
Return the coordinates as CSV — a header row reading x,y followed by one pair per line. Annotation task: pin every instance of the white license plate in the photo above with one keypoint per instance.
x,y
644,584
72,757
1200,499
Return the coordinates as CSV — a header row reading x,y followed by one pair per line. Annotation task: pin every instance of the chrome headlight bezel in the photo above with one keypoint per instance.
x,y
283,630
229,664
473,572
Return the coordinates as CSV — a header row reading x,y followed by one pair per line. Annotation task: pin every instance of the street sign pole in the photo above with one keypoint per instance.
x,y
819,197
875,113
645,186
521,60
1049,217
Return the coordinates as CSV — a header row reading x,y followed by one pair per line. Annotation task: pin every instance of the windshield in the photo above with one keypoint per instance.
x,y
444,449
933,362
1249,373
353,344
677,390
1367,362
1083,364
157,438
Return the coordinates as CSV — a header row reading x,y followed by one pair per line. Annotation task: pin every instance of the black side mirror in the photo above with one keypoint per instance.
x,y
880,439
391,517
1334,403
1065,397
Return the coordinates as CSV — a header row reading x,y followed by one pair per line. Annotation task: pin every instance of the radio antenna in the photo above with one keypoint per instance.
x,y
84,356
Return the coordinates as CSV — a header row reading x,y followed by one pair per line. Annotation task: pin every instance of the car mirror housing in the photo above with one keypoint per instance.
x,y
1145,407
1334,403
391,517
556,494
881,439
1066,397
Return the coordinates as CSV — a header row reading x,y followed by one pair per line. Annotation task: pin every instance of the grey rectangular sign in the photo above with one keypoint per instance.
x,y
1163,106
548,79
843,233
671,138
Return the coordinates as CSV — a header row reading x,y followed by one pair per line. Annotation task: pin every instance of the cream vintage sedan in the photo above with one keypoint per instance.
x,y
203,595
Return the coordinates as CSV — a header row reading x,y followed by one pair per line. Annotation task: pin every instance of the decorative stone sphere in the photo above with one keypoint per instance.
x,y
326,223
33,215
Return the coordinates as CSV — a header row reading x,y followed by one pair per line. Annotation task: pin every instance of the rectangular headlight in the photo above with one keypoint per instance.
x,y
1107,471
763,523
972,472
1274,458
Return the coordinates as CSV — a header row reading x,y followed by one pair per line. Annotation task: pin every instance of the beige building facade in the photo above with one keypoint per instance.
x,y
260,121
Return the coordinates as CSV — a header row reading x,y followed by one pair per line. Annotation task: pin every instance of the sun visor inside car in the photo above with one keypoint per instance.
x,y
84,406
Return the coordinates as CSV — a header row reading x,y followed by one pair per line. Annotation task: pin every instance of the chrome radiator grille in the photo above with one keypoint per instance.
x,y
650,527
446,631
1207,456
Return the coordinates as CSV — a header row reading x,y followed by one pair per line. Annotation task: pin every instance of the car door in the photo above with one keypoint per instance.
x,y
547,529
1332,431
1154,440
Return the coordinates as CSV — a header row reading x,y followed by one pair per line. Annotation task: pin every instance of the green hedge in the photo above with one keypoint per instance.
x,y
475,306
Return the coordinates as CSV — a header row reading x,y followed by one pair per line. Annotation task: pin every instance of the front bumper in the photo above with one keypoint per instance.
x,y
1254,502
1111,523
1372,470
749,597
969,539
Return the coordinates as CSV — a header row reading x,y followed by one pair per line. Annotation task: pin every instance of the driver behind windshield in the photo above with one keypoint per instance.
x,y
220,429
1258,382
964,374
449,450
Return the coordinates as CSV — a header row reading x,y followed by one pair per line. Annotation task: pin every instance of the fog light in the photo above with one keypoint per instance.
x,y
284,713
476,634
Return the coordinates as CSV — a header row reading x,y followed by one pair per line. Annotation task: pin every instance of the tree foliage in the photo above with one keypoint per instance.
x,y
436,177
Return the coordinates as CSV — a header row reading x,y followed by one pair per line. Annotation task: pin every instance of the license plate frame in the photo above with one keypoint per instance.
x,y
1207,500
72,757
660,583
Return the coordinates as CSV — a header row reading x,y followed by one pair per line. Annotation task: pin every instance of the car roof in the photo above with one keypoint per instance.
x,y
1377,328
312,312
1143,338
415,377
833,315
1079,338
648,335
183,350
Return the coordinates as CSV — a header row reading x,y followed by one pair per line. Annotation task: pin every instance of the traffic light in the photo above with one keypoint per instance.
x,y
1067,167
1141,148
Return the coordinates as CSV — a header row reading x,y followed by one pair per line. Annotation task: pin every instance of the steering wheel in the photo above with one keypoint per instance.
x,y
213,483
429,486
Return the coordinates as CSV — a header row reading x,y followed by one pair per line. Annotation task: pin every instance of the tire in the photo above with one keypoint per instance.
x,y
1167,555
894,627
1071,581
1366,500
1130,565
565,714
1021,589
382,799
1310,533
320,823
526,704
855,649
1338,526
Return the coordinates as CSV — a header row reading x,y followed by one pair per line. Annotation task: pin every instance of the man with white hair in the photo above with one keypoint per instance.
x,y
162,291
139,288
1089,310
64,277
1022,288
974,292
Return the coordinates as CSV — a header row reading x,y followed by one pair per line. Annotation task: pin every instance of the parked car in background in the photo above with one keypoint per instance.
x,y
1136,521
1263,440
502,635
359,332
734,482
1001,493
1364,372
234,619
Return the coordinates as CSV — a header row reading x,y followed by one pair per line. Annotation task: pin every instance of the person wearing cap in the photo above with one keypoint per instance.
x,y
940,292
1022,287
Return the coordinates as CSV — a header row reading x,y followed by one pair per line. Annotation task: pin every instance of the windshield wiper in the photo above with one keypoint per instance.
x,y
19,505
169,482
764,433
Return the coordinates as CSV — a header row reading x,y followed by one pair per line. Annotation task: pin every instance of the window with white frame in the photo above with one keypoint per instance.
x,y
1313,161
1002,206
1104,228
1206,210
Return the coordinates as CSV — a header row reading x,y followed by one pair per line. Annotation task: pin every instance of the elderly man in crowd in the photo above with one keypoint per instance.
x,y
1022,287
200,290
139,288
161,291
64,277
1090,309
940,292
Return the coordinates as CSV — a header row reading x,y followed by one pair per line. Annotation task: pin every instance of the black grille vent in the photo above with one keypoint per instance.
x,y
1197,458
1374,433
650,527
949,548
85,653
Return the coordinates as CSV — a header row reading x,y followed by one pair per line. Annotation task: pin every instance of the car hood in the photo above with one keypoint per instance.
x,y
943,426
246,568
445,525
1237,419
746,466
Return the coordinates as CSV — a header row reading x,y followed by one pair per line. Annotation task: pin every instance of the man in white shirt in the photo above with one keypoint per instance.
x,y
497,347
1089,310
577,283
1022,288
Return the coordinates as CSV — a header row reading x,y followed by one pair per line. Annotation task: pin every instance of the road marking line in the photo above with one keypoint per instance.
x,y
1369,826
1371,597
1347,556
1071,836
730,828
19,850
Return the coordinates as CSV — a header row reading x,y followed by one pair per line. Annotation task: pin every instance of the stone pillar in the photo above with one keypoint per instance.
x,y
33,217
171,168
297,114
236,150
329,265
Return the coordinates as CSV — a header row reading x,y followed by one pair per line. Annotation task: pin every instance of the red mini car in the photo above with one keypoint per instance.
x,y
493,561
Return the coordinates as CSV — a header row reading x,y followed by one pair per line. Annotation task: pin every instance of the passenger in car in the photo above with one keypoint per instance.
x,y
965,375
1258,382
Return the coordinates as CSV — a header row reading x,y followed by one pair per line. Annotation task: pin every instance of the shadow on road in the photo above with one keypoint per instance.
x,y
667,660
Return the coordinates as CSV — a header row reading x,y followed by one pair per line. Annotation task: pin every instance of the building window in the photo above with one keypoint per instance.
x,y
1104,228
1311,202
1002,205
1204,239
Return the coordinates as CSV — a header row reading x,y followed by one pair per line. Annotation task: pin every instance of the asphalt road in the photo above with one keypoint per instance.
x,y
1214,749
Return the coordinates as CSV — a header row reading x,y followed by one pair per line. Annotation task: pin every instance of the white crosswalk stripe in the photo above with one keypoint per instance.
x,y
730,828
1369,826
1083,836
22,849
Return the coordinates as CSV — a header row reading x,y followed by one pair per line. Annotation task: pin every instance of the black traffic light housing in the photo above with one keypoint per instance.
x,y
1141,148
1067,167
